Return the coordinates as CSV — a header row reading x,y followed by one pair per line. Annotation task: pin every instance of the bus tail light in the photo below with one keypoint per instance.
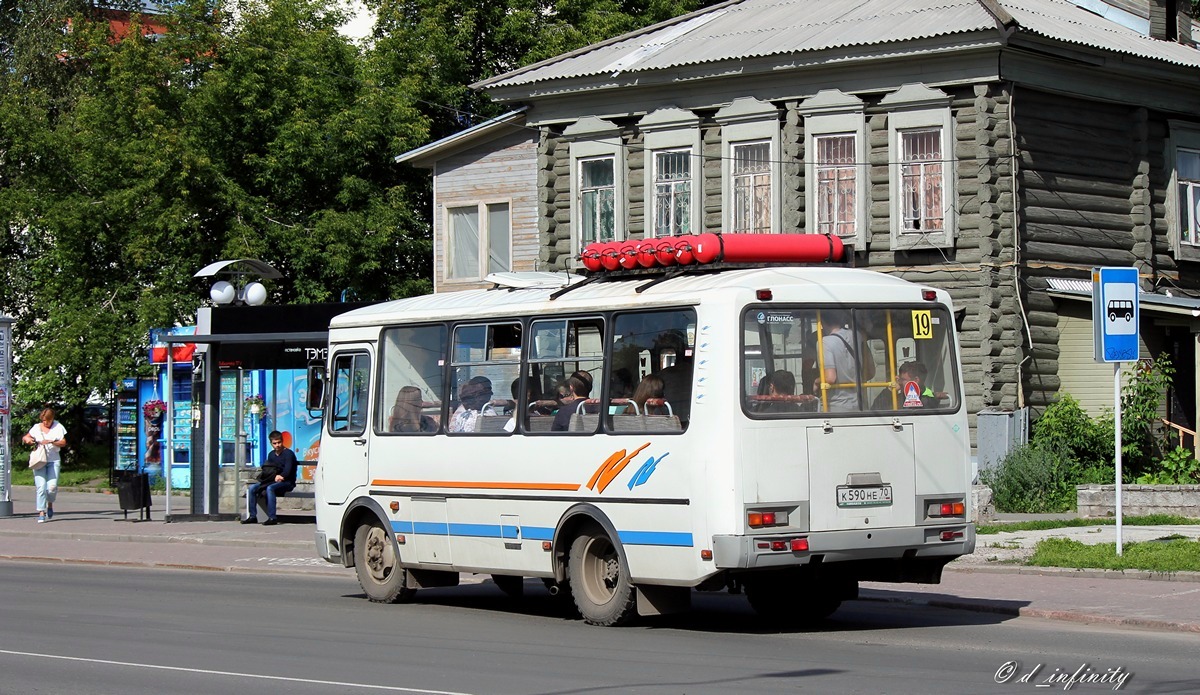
x,y
779,545
951,535
947,508
799,545
928,295
777,517
764,295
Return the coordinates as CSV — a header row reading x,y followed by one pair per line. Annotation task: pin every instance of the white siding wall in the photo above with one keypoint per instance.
x,y
497,170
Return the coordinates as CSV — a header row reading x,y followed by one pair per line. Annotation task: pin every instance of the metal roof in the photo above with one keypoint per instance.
x,y
744,29
1081,290
463,138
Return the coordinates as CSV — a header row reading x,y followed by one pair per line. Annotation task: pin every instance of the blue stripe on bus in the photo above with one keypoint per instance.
x,y
532,533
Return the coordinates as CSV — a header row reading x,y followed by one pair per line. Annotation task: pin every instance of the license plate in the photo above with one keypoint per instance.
x,y
873,496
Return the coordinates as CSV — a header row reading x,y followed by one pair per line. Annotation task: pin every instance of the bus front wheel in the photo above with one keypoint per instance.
x,y
600,582
377,564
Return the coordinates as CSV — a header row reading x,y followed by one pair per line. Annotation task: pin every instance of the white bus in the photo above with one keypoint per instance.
x,y
786,432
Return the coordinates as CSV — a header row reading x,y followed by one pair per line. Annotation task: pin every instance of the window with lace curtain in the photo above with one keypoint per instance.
x,y
672,193
837,184
1187,167
751,179
922,202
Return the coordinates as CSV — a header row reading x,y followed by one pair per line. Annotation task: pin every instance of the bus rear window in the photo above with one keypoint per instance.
x,y
829,360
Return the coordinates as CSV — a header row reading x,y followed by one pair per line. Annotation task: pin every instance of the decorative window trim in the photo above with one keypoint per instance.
x,y
832,112
1182,135
748,120
914,107
592,138
672,129
482,206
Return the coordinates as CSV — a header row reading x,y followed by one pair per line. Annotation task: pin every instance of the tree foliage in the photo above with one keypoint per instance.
x,y
246,129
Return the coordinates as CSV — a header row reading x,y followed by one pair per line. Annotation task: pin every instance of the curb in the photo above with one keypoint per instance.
x,y
179,566
129,538
1069,616
1078,573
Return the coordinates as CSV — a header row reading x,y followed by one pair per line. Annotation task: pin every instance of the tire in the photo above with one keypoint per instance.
x,y
795,598
513,587
377,564
1112,316
600,582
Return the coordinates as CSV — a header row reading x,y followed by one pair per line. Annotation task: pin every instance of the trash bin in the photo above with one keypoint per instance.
x,y
133,492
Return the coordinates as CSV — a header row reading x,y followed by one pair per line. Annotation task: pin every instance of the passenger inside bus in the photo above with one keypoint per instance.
x,y
651,387
475,398
840,361
406,413
913,372
780,383
570,403
677,376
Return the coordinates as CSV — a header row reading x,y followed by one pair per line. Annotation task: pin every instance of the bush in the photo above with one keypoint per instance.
x,y
1033,480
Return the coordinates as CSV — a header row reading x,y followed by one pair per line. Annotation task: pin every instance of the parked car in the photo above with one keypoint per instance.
x,y
97,424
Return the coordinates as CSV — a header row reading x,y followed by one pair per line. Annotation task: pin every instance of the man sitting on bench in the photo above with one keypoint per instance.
x,y
278,477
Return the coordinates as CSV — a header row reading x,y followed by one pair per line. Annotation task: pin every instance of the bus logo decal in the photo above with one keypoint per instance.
x,y
611,468
643,474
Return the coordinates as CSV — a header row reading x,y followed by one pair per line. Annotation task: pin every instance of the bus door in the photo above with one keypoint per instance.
x,y
343,457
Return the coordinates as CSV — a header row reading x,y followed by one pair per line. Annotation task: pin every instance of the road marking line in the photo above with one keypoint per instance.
x,y
210,672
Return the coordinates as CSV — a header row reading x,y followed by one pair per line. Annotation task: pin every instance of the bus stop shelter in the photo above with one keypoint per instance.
x,y
240,337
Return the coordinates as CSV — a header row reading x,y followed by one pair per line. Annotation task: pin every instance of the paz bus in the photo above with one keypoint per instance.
x,y
785,432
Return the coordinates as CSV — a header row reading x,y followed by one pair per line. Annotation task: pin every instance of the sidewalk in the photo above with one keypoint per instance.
x,y
88,528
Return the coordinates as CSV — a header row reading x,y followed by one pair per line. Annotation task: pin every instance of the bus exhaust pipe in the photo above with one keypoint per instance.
x,y
553,589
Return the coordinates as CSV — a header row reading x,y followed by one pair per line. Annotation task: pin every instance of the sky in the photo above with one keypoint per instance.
x,y
360,25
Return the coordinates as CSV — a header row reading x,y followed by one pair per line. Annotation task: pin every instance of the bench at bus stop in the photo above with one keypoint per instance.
x,y
300,499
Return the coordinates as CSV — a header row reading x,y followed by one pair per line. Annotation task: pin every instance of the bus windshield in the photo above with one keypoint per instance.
x,y
799,361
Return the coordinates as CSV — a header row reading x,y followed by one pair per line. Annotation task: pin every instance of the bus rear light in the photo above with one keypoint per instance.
x,y
764,295
952,508
779,545
928,295
771,518
705,554
799,545
951,535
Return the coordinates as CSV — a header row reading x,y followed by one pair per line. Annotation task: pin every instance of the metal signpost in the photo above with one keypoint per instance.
x,y
1115,340
6,505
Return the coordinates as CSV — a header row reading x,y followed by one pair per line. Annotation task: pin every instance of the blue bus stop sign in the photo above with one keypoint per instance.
x,y
1115,314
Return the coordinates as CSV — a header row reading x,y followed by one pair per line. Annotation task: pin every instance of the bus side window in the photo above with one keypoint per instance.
x,y
655,346
351,384
487,361
411,367
566,363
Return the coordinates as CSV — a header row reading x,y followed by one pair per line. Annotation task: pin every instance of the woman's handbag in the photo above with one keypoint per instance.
x,y
38,457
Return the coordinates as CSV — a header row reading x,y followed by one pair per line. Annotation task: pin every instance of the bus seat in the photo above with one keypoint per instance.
x,y
540,423
491,423
646,423
585,422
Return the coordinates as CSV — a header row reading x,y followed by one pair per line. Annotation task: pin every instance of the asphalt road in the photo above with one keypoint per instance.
x,y
77,630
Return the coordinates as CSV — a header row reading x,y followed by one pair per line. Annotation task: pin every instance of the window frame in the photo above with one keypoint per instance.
x,y
674,130
1183,136
368,396
483,209
591,138
834,113
747,121
915,108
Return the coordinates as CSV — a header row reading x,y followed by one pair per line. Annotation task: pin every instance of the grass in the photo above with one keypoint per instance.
x,y
1166,555
87,465
1044,524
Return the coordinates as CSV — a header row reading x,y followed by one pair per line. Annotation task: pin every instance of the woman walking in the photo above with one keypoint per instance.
x,y
51,434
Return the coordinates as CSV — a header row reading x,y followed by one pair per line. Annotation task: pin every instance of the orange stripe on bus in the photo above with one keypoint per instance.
x,y
481,484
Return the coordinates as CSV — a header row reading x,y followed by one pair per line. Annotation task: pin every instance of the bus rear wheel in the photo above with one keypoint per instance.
x,y
795,598
377,564
600,582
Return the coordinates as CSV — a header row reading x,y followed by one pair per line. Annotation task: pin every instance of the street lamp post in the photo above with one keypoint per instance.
x,y
6,505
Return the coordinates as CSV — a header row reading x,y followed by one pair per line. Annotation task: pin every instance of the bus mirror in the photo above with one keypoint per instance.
x,y
316,387
960,317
